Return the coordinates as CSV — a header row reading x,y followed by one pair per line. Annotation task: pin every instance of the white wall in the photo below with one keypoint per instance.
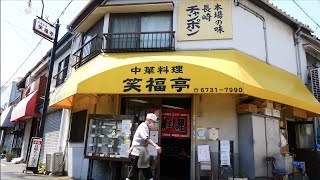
x,y
248,36
218,111
77,165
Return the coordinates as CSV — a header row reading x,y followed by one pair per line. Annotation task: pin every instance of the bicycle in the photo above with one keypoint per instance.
x,y
300,168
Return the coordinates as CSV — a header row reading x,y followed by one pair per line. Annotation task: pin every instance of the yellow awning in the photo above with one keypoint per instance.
x,y
185,72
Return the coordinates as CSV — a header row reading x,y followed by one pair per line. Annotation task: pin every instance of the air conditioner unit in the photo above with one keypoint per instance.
x,y
54,163
315,82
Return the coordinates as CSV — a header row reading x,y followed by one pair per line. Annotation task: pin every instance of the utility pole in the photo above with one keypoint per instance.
x,y
49,32
47,93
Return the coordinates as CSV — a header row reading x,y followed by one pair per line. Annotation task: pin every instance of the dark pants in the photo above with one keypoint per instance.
x,y
134,172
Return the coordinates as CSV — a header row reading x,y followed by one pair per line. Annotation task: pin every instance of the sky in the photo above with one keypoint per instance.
x,y
18,39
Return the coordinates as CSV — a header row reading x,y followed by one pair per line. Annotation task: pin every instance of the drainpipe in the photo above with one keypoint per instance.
x,y
239,4
297,35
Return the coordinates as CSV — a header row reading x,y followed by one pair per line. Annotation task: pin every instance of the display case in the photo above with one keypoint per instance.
x,y
109,137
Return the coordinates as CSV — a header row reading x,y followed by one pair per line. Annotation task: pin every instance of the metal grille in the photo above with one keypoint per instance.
x,y
315,82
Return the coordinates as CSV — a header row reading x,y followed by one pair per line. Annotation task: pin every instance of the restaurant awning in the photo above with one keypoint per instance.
x,y
25,109
5,118
185,72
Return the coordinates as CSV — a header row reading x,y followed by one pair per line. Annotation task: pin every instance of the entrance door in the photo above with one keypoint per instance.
x,y
175,139
174,120
18,133
301,140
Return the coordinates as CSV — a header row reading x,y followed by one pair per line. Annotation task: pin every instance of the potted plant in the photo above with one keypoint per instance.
x,y
2,153
10,156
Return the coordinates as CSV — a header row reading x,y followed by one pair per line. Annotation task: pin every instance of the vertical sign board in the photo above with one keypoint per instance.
x,y
205,20
34,152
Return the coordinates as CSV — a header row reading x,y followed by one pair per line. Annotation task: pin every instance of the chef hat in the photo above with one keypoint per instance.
x,y
152,116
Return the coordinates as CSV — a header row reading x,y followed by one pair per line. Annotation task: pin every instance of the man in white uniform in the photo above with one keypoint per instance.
x,y
139,152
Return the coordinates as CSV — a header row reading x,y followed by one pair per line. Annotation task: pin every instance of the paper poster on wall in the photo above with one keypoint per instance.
x,y
124,150
213,134
154,136
126,126
203,153
225,152
201,133
225,145
225,158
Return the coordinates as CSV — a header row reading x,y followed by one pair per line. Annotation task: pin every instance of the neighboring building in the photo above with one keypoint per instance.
x,y
9,94
26,114
203,67
9,97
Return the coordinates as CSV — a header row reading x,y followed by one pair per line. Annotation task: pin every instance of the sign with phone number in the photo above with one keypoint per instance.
x,y
219,90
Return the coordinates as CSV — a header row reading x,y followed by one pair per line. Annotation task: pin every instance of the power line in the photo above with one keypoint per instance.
x,y
22,63
35,47
306,13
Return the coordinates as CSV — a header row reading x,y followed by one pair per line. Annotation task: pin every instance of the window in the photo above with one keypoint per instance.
x,y
92,46
62,71
138,27
78,125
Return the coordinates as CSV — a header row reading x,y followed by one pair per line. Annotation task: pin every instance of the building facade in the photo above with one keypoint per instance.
x,y
9,97
219,75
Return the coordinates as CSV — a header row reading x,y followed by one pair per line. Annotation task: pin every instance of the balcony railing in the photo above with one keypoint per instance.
x,y
125,42
139,42
88,50
60,77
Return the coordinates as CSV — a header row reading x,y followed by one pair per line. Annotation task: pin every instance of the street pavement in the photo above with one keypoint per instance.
x,y
10,171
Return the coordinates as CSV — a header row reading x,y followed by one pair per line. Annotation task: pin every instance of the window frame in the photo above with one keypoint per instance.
x,y
62,69
139,15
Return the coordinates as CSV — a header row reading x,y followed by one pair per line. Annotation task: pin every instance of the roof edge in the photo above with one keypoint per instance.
x,y
85,12
273,10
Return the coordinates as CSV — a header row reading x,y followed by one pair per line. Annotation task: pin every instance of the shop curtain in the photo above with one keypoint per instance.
x,y
93,45
152,23
124,24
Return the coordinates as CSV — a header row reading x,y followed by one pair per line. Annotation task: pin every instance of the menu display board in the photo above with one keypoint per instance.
x,y
109,136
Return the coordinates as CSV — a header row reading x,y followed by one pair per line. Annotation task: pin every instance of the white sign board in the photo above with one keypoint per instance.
x,y
203,153
44,29
126,126
35,152
124,150
225,152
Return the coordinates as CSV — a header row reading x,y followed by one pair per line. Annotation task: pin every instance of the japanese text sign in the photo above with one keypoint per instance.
x,y
175,123
44,28
174,78
204,20
35,152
